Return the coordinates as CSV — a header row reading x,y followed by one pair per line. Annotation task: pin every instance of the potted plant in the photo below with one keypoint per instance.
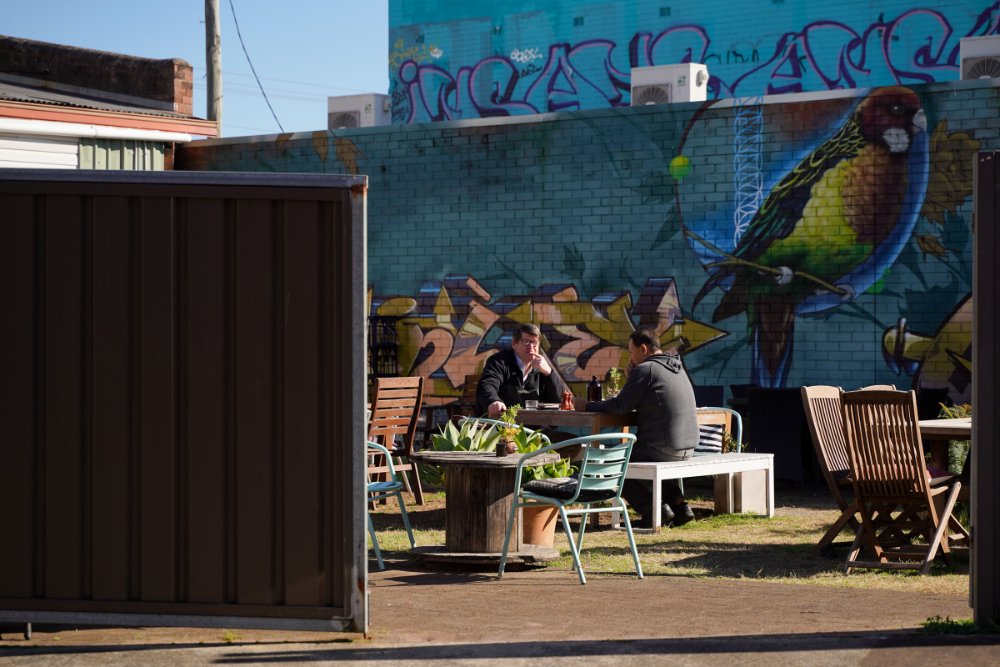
x,y
509,430
471,436
538,524
614,380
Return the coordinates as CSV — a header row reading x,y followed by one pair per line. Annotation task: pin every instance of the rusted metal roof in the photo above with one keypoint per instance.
x,y
21,93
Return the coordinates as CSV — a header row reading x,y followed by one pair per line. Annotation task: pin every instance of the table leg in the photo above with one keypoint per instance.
x,y
657,499
476,512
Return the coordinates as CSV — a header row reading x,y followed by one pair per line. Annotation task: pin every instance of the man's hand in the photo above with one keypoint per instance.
x,y
541,363
496,407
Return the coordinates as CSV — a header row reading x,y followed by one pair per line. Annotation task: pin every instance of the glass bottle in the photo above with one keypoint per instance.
x,y
594,389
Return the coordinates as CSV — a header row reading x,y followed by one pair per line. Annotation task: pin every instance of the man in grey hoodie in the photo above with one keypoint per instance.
x,y
659,390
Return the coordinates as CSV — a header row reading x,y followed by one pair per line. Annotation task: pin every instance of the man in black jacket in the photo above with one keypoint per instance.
x,y
660,392
521,373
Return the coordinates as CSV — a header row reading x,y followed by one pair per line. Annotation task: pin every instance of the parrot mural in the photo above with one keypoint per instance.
x,y
827,230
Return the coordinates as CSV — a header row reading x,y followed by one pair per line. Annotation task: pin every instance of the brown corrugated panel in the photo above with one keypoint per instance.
x,y
182,388
984,585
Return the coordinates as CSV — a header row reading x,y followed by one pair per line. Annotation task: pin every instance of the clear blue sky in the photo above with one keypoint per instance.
x,y
303,50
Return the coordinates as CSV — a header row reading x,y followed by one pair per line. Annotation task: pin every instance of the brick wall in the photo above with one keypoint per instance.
x,y
460,59
167,84
577,221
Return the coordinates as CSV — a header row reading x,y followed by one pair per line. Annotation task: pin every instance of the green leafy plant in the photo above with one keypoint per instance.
x,y
935,625
471,436
729,443
955,411
615,380
510,427
958,450
230,636
532,442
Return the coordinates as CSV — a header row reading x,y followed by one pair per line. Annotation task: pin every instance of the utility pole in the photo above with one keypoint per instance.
x,y
213,57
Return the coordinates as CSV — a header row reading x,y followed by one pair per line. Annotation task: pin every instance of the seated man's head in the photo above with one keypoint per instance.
x,y
527,339
642,343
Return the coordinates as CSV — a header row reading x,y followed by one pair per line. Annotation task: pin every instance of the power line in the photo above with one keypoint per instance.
x,y
250,62
199,72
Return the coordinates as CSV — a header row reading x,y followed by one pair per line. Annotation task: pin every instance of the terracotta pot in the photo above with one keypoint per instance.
x,y
538,525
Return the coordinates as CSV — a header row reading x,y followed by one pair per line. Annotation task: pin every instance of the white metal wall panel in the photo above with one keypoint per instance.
x,y
18,151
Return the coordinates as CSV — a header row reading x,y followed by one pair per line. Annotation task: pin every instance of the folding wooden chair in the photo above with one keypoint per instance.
x,y
393,424
826,426
890,479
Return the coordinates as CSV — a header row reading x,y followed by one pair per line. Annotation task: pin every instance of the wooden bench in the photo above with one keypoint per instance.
x,y
736,489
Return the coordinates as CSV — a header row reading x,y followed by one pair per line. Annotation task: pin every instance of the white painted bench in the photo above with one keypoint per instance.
x,y
739,491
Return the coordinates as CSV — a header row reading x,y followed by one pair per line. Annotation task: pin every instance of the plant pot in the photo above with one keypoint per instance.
x,y
538,525
506,447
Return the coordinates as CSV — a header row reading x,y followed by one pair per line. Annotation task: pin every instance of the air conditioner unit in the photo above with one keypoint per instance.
x,y
663,84
350,111
980,57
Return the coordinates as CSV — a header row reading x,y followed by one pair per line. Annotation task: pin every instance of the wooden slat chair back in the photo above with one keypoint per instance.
x,y
826,428
714,425
466,406
888,470
729,420
393,424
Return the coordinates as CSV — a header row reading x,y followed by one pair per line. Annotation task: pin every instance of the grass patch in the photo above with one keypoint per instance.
x,y
958,626
733,546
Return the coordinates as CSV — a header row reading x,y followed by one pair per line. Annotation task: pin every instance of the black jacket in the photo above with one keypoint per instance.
x,y
660,391
502,380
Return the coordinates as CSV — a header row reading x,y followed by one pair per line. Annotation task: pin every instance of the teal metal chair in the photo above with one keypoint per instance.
x,y
380,490
596,488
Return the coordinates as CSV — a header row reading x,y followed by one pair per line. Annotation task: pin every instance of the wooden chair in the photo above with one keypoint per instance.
x,y
826,426
393,424
466,406
888,470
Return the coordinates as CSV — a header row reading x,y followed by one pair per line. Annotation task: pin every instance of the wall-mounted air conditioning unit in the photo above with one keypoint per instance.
x,y
365,110
663,84
980,57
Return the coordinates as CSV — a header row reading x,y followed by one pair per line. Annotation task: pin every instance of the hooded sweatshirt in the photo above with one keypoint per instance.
x,y
660,391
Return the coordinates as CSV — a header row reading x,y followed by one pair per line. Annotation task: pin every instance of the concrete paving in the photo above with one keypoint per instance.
x,y
422,616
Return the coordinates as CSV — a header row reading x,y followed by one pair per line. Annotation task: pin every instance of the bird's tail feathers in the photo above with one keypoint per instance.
x,y
772,324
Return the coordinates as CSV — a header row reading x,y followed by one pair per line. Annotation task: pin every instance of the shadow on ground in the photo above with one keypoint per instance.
x,y
341,651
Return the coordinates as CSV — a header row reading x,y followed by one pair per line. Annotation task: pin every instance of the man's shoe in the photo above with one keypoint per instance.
x,y
682,515
644,522
666,515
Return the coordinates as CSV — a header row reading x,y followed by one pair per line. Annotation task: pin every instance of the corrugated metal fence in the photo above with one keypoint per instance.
x,y
183,387
985,474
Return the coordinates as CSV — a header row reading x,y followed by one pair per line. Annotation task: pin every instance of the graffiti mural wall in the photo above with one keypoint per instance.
x,y
820,238
457,59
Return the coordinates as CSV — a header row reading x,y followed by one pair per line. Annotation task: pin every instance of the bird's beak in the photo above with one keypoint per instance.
x,y
919,121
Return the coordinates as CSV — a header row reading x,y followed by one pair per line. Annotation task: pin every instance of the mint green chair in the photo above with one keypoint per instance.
x,y
596,488
380,490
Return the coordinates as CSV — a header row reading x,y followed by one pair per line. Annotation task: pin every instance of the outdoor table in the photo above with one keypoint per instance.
x,y
594,421
479,489
937,433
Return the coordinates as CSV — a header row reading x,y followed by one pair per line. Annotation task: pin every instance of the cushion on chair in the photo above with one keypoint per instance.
x,y
563,488
710,437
